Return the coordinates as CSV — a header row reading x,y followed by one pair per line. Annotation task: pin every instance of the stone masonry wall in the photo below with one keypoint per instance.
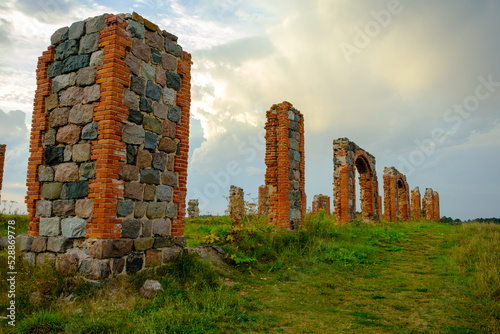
x,y
416,204
263,205
193,209
321,202
285,179
236,205
347,158
2,161
109,144
396,195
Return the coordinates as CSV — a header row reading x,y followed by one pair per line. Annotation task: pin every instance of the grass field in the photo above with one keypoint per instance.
x,y
408,277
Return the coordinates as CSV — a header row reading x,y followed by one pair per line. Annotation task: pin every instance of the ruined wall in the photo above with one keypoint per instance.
x,y
193,209
347,158
109,144
430,205
435,213
321,202
236,206
2,161
416,204
285,178
396,195
263,205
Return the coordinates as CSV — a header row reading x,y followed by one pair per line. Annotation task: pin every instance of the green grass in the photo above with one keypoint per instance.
x,y
407,277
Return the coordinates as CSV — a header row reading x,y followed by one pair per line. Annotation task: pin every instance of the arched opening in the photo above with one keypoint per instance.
x,y
363,196
403,208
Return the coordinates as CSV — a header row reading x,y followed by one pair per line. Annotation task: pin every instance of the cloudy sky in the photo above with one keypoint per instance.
x,y
415,83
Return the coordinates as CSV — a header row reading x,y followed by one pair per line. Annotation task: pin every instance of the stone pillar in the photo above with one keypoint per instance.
x,y
321,202
2,160
435,199
428,204
416,206
193,210
347,159
263,206
109,142
285,177
236,205
396,195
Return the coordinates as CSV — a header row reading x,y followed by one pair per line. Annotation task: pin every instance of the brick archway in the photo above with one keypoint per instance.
x,y
396,195
347,159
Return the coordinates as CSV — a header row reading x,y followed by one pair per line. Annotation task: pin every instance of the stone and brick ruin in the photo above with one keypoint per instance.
x,y
109,147
396,196
416,204
193,210
321,202
347,159
2,161
236,206
430,205
263,201
285,178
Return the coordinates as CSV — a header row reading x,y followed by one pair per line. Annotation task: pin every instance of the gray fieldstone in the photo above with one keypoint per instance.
x,y
111,248
67,263
66,49
90,131
96,58
75,190
138,85
164,193
146,105
133,190
149,192
148,72
91,93
59,244
174,114
86,76
81,114
141,50
156,210
130,99
73,227
73,63
59,36
89,43
296,156
49,227
161,227
95,269
118,265
170,162
147,227
45,258
144,159
142,244
131,152
58,117
63,208
136,29
67,172
173,48
167,145
149,288
39,244
169,178
155,56
151,141
96,24
135,116
49,138
84,207
128,172
169,129
294,144
169,62
169,96
45,173
169,254
76,30
23,242
131,228
43,208
133,134
134,262
69,134
162,242
134,64
160,110
51,190
140,209
51,101
153,91
68,153
124,208
81,152
63,81
155,41
173,80
54,155
152,124
55,69
159,161
171,211
170,36
160,76
150,176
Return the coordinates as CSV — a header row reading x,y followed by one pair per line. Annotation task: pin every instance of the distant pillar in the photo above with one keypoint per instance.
x,y
321,202
428,204
193,210
396,195
436,214
263,206
2,160
416,206
236,205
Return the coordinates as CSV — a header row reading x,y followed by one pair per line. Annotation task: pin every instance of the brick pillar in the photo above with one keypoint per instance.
x,y
396,195
416,206
428,204
321,202
236,205
2,160
263,206
285,173
435,199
